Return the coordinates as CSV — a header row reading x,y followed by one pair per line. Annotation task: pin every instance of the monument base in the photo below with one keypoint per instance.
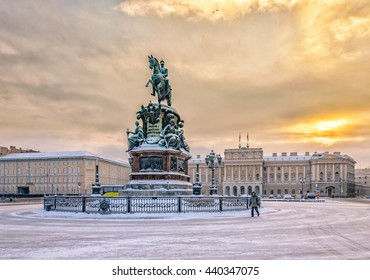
x,y
157,188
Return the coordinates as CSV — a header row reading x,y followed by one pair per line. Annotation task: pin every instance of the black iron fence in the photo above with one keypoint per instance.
x,y
112,205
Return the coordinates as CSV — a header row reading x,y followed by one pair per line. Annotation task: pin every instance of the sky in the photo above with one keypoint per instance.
x,y
292,75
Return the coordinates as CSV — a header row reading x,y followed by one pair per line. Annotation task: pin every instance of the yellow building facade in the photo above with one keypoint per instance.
x,y
58,172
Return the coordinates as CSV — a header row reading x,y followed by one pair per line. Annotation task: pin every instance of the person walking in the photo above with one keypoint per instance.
x,y
254,202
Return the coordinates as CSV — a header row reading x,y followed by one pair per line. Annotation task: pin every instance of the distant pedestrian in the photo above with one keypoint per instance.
x,y
255,202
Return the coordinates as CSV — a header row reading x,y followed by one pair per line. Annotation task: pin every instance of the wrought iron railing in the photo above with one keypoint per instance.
x,y
112,205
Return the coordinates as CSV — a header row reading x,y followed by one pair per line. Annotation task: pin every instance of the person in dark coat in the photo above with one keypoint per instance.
x,y
254,202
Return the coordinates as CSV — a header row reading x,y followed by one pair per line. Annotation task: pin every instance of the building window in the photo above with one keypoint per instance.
x,y
272,178
278,178
249,189
286,177
235,191
227,191
337,178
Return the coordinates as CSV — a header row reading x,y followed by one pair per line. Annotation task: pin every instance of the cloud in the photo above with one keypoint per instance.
x,y
78,71
6,49
351,27
209,10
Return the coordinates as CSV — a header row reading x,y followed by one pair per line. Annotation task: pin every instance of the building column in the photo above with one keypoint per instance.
x,y
225,178
333,173
207,173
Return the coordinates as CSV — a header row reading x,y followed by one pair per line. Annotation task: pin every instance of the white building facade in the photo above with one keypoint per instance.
x,y
245,169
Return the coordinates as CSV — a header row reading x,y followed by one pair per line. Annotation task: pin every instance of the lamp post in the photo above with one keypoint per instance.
x,y
197,186
211,160
302,182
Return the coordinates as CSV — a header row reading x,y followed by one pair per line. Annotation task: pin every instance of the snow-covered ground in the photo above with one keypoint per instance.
x,y
337,230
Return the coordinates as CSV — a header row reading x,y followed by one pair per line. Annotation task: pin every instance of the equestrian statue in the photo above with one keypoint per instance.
x,y
159,81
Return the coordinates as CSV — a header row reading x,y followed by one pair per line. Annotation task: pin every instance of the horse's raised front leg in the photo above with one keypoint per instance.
x,y
153,87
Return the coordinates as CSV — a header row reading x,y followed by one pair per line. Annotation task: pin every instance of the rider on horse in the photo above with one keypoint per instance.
x,y
159,80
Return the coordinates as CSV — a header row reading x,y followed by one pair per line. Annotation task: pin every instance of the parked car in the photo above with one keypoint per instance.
x,y
271,196
288,196
310,196
279,196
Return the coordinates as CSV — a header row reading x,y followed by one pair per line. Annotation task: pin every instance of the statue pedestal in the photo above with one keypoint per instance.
x,y
158,171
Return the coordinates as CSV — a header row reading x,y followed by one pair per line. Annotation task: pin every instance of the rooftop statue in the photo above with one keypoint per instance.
x,y
159,80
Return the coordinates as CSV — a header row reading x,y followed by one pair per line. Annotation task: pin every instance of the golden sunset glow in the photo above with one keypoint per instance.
x,y
331,125
294,74
319,126
326,132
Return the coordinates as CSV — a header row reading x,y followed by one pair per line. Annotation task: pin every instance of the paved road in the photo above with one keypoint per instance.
x,y
333,230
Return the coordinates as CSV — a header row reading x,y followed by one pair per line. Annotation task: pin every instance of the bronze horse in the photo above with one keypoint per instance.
x,y
159,82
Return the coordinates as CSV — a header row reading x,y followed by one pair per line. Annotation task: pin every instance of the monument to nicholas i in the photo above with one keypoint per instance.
x,y
158,152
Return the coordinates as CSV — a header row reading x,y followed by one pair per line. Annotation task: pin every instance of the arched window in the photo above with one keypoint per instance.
x,y
235,191
337,178
258,190
242,190
227,191
249,189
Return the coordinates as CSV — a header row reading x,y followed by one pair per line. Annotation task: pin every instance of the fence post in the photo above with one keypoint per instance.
x,y
179,201
83,204
221,201
129,205
55,203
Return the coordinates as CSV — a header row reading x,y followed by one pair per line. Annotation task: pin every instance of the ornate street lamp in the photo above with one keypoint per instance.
x,y
197,186
211,160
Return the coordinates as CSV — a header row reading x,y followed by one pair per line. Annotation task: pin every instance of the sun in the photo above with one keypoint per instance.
x,y
325,132
330,125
